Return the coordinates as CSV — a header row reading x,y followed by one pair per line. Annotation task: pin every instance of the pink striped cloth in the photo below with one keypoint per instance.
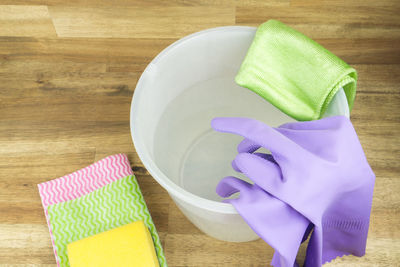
x,y
82,182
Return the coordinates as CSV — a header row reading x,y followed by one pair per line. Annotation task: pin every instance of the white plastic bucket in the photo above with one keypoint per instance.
x,y
181,90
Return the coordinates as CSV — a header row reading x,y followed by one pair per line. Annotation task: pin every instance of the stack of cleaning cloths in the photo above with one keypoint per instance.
x,y
100,197
316,182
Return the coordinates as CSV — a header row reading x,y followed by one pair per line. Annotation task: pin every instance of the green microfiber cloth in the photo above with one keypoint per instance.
x,y
111,206
294,73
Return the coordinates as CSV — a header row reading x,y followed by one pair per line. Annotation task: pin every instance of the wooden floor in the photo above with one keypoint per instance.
x,y
67,73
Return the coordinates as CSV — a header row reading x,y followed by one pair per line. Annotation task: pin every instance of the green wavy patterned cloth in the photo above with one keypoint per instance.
x,y
294,73
116,204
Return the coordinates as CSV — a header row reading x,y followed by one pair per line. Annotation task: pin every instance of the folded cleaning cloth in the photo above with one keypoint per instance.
x,y
294,73
111,206
99,176
82,182
316,169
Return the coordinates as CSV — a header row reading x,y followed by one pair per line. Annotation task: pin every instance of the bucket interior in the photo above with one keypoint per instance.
x,y
183,89
188,151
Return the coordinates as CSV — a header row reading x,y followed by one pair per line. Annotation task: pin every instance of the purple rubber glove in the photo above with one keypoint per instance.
x,y
274,221
320,170
278,224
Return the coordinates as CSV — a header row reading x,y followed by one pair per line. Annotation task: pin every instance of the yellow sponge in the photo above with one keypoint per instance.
x,y
128,245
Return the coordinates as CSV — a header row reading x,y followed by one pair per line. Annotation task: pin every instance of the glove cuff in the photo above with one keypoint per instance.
x,y
344,237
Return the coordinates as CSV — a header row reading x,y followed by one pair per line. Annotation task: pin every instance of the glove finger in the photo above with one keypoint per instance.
x,y
259,133
265,156
235,167
262,172
247,146
261,155
231,185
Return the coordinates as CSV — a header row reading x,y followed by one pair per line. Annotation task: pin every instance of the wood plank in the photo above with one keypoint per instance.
x,y
377,109
377,78
364,51
201,250
328,21
86,108
345,3
25,21
376,249
82,50
28,256
134,22
13,236
17,240
258,3
69,83
123,3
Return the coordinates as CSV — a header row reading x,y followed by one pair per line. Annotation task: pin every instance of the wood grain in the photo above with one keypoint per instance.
x,y
25,21
123,3
138,22
68,70
329,21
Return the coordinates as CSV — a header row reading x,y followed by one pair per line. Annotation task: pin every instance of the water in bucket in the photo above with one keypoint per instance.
x,y
189,151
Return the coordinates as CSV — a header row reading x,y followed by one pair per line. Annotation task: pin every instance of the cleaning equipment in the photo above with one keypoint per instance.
x,y
189,83
294,73
319,169
82,182
111,206
85,181
274,221
130,245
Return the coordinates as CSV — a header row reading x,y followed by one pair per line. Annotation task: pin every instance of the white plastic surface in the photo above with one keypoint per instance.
x,y
181,90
